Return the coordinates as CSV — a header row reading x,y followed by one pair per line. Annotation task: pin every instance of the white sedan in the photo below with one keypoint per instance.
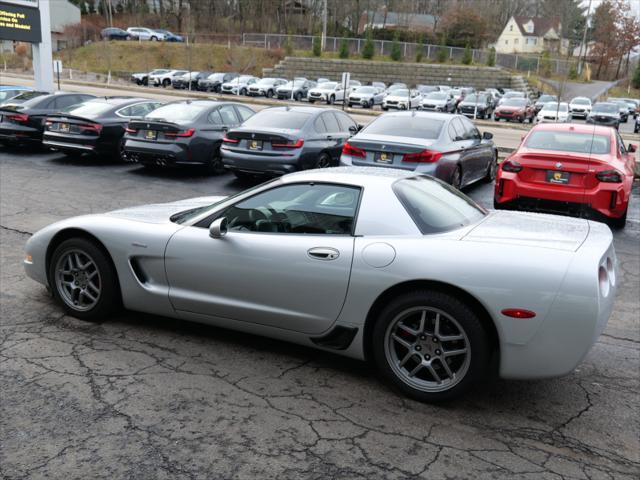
x,y
554,112
398,268
402,99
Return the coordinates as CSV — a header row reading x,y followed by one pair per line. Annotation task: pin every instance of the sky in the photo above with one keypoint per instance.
x,y
634,4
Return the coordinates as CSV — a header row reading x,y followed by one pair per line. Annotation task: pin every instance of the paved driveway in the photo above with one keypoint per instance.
x,y
144,397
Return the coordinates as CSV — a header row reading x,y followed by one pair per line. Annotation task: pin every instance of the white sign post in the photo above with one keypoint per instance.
x,y
57,69
346,78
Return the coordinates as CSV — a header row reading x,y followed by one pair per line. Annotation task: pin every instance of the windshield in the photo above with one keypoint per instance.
x,y
366,90
605,108
27,96
404,126
243,78
547,98
514,102
6,94
581,101
401,92
514,95
473,98
455,92
88,109
435,206
328,85
177,112
437,96
266,81
569,142
158,72
217,76
552,107
278,119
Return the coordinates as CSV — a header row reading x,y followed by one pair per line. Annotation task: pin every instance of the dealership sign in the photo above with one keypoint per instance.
x,y
19,23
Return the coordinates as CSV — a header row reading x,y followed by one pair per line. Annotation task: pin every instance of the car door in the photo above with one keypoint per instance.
x,y
335,135
478,154
218,121
284,262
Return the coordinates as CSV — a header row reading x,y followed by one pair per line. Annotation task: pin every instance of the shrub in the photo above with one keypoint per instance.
x,y
467,57
545,64
420,50
491,58
635,81
396,52
443,54
367,50
573,73
344,48
288,47
317,46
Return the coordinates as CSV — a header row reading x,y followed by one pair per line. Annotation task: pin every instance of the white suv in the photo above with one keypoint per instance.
x,y
580,107
164,79
328,92
141,33
239,85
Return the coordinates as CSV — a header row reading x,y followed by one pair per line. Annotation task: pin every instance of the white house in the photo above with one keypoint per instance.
x,y
532,35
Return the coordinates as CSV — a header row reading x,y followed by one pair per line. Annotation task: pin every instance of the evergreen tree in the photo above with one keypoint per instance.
x,y
420,50
467,57
367,50
635,82
396,52
317,46
443,51
344,48
491,59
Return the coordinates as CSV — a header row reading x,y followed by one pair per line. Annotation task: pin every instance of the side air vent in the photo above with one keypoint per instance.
x,y
138,271
338,339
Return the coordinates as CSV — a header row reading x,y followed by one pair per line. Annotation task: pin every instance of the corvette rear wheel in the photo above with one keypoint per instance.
x,y
430,345
83,280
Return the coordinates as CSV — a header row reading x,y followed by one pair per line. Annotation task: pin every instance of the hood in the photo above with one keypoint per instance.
x,y
362,95
434,101
161,212
509,108
531,230
397,98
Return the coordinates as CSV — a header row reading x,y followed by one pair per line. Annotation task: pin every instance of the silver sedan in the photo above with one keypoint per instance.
x,y
385,265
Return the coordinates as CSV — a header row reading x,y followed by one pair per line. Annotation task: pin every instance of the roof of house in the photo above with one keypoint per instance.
x,y
541,25
399,18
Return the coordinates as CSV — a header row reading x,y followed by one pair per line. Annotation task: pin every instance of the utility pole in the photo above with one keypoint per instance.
x,y
584,39
323,42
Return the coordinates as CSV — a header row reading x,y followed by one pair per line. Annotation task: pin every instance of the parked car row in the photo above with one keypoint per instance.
x,y
140,33
550,170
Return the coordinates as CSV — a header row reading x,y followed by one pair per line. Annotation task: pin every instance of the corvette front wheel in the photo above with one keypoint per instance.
x,y
83,279
431,346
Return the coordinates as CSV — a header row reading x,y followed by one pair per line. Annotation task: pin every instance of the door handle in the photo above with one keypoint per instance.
x,y
323,253
329,137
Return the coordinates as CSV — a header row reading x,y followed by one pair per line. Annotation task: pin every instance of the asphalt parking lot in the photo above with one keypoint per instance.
x,y
147,397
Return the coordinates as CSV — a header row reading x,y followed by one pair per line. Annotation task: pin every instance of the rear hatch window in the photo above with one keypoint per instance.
x,y
573,142
413,127
177,112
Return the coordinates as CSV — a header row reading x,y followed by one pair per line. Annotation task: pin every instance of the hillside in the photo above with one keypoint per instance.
x,y
126,57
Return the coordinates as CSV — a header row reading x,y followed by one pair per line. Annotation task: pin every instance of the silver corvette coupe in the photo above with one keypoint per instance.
x,y
386,265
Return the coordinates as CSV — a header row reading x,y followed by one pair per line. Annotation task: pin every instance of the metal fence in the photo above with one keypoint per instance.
x,y
524,63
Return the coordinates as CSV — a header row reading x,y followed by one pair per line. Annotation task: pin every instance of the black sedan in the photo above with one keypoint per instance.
x,y
213,83
448,147
605,113
183,81
22,119
95,126
476,104
182,133
296,90
280,140
113,33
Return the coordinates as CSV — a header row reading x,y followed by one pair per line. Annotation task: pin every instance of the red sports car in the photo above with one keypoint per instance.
x,y
578,169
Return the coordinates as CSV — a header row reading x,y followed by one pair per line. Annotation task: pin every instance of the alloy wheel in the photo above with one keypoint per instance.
x,y
427,349
78,280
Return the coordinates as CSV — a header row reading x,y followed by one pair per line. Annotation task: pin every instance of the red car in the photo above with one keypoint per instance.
x,y
516,109
584,170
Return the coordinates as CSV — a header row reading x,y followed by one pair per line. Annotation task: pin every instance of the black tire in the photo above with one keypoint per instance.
x,y
323,161
312,101
166,82
120,154
492,167
108,300
496,119
498,206
371,103
477,344
456,178
243,91
153,39
386,109
619,223
331,100
297,97
269,93
214,165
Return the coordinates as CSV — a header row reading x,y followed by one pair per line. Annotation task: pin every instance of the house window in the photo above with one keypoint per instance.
x,y
535,41
516,41
506,42
511,28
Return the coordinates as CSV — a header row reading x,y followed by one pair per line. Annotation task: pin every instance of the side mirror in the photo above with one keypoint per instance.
x,y
487,135
353,129
218,228
360,126
632,148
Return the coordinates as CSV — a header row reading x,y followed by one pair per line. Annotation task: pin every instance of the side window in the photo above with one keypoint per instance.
x,y
471,132
331,122
244,112
66,101
228,114
138,110
458,130
215,118
319,125
315,209
345,121
621,148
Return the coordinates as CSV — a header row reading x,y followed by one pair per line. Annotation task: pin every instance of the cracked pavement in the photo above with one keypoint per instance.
x,y
143,397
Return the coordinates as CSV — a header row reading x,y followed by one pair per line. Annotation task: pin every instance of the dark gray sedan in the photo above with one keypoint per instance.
x,y
280,140
445,146
183,133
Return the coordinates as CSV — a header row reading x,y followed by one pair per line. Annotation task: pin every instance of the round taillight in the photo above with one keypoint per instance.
x,y
611,271
603,280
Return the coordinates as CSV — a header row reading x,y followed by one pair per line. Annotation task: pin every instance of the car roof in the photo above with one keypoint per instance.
x,y
115,101
301,109
14,87
421,114
361,176
574,127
